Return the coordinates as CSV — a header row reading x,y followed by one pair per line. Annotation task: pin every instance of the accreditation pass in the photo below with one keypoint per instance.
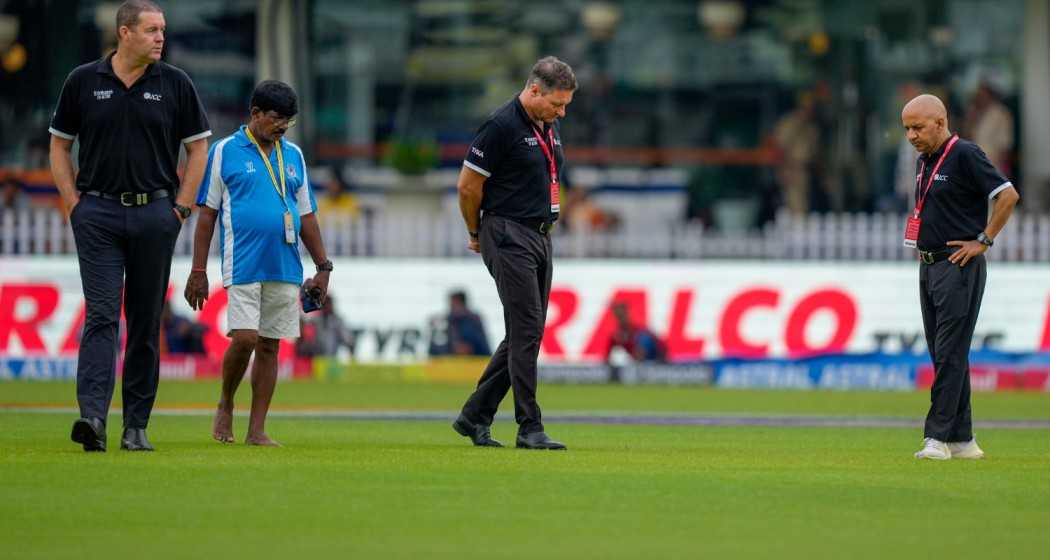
x,y
289,227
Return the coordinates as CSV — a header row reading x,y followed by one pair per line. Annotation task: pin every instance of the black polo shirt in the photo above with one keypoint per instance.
x,y
129,137
957,206
506,151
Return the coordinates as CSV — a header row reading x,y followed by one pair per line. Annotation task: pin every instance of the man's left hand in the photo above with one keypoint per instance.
x,y
967,250
319,280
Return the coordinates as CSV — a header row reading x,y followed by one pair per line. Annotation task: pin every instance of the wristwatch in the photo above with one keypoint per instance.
x,y
473,235
326,266
183,211
985,240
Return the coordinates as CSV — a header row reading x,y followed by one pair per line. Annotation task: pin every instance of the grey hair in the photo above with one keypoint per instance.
x,y
552,74
128,13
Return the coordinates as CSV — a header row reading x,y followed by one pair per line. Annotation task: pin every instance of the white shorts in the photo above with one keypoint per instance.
x,y
271,308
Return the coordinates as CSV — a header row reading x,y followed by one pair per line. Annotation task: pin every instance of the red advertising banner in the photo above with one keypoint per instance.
x,y
701,310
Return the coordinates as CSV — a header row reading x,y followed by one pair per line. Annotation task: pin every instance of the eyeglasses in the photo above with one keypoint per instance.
x,y
287,122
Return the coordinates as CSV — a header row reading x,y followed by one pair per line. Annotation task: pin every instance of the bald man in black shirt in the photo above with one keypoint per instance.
x,y
951,230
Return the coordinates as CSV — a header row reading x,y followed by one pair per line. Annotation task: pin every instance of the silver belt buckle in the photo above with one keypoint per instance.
x,y
141,199
926,256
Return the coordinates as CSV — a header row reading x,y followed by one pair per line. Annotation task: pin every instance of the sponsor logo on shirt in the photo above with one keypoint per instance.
x,y
103,94
290,170
531,140
940,177
151,96
249,167
557,141
477,152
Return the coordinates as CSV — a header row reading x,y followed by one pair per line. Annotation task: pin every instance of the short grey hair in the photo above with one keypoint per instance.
x,y
128,13
552,74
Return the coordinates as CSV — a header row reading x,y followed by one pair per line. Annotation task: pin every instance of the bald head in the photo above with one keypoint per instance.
x,y
925,122
925,105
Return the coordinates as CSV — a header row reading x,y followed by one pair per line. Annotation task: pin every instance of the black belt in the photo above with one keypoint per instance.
x,y
535,224
131,198
933,257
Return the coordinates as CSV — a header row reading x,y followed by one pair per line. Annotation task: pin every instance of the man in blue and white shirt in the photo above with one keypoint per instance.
x,y
256,187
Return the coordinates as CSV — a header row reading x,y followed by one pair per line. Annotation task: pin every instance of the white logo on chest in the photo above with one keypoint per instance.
x,y
151,96
940,177
249,167
530,140
102,94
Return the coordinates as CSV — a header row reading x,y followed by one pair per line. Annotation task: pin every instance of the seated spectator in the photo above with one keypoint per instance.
x,y
334,195
323,333
13,195
179,334
641,344
582,214
464,331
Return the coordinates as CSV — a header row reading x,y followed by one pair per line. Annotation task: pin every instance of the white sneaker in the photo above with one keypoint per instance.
x,y
934,449
965,449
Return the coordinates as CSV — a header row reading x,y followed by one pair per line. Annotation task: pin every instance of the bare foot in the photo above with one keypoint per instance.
x,y
222,428
261,439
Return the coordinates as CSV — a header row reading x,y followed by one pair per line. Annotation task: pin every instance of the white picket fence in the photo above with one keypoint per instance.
x,y
856,237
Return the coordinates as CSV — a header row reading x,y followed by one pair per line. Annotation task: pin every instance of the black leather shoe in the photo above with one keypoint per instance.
x,y
134,439
91,433
538,440
478,433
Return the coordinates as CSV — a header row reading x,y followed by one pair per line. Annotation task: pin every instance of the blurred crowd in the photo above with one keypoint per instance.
x,y
802,166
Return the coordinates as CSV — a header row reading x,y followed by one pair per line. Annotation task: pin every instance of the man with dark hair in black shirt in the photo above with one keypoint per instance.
x,y
951,229
131,113
509,197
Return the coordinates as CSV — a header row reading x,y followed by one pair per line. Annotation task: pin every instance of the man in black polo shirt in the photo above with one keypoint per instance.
x,y
508,194
951,229
131,113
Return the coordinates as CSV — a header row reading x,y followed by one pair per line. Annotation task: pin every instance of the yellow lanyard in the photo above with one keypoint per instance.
x,y
279,187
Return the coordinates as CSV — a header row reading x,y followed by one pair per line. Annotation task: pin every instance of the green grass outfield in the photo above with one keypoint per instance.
x,y
404,489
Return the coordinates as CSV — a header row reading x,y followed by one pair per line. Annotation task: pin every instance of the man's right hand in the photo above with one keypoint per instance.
x,y
196,290
71,201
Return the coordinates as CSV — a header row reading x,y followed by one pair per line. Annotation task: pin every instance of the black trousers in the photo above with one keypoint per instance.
x,y
519,259
950,297
125,254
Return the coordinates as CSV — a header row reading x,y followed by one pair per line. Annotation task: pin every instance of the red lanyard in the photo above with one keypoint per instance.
x,y
547,151
933,174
